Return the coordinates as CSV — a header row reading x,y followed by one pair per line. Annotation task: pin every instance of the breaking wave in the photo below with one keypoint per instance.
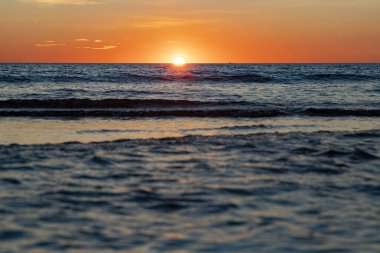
x,y
163,108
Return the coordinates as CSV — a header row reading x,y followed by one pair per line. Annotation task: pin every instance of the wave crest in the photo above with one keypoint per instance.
x,y
137,78
164,108
340,77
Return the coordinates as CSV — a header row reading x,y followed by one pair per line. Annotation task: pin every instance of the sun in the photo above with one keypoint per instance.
x,y
179,61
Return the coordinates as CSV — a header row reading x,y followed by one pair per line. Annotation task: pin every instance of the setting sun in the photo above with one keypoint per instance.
x,y
179,61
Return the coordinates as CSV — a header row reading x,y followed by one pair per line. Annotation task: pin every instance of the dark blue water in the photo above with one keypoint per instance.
x,y
205,158
265,86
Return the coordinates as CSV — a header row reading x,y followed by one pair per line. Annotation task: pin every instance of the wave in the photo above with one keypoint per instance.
x,y
342,112
220,78
118,77
135,78
225,113
163,108
340,77
75,103
15,79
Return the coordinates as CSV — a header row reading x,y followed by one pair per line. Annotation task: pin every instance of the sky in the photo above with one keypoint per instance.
x,y
201,31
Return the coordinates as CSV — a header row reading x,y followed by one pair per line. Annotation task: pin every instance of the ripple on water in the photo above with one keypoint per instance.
x,y
316,192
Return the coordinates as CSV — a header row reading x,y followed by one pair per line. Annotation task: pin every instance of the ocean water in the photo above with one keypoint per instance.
x,y
203,158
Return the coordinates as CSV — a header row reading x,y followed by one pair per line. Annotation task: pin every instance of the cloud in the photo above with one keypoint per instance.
x,y
83,47
50,44
81,40
98,41
104,47
64,2
169,22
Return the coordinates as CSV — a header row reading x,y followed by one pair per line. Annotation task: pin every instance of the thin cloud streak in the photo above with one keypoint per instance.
x,y
50,45
104,48
64,2
169,23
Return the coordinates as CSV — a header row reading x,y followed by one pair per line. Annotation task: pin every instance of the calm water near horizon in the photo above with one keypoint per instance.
x,y
203,158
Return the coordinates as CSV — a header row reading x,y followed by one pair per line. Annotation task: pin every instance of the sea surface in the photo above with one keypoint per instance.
x,y
200,158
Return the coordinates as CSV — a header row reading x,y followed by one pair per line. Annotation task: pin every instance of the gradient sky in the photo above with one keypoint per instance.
x,y
257,31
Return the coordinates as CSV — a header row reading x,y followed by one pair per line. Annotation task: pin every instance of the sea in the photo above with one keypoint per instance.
x,y
199,158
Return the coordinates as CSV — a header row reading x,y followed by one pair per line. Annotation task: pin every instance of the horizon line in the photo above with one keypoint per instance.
x,y
190,63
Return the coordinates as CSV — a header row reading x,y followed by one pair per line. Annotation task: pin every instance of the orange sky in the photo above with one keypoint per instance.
x,y
203,31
